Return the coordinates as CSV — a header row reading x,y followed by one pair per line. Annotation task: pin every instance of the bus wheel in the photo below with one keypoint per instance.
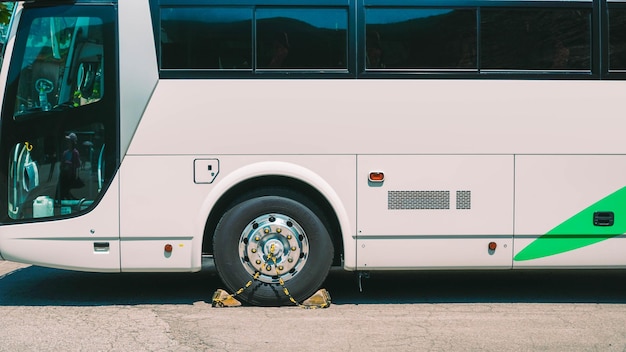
x,y
275,243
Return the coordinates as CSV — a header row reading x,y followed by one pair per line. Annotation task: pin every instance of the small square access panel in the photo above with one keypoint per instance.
x,y
205,170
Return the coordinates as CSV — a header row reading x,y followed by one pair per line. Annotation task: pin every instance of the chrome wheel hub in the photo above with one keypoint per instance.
x,y
275,246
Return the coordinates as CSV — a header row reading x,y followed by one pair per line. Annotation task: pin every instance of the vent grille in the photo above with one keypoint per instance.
x,y
464,199
418,200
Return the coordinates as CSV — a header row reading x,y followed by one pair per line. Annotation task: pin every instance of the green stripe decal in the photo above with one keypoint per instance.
x,y
579,230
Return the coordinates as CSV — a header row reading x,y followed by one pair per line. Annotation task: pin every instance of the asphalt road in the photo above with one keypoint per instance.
x,y
53,310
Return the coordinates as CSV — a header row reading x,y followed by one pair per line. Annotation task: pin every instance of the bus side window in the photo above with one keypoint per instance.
x,y
206,38
302,39
420,38
617,39
536,39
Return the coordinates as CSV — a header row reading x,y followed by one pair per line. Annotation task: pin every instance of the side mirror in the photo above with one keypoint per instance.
x,y
86,78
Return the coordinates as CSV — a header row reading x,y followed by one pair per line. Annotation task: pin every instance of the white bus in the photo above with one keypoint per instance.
x,y
282,137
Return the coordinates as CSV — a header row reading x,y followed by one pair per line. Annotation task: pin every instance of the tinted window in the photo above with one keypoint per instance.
x,y
43,84
617,39
301,38
206,38
420,39
536,39
59,120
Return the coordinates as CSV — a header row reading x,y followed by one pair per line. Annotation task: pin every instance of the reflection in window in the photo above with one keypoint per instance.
x,y
56,175
302,38
206,38
421,39
617,39
50,77
63,116
536,39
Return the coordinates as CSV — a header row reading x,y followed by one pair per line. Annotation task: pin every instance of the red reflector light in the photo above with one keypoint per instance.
x,y
492,246
168,248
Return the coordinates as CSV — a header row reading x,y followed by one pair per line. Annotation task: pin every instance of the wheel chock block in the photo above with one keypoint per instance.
x,y
222,298
320,299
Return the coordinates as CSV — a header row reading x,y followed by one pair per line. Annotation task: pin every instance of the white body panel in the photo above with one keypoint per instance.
x,y
74,243
161,204
489,210
435,211
472,148
187,117
138,65
550,189
607,254
453,252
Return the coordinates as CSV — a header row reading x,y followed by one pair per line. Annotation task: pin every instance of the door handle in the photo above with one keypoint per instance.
x,y
603,218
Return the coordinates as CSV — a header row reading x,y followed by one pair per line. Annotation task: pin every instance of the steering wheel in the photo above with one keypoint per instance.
x,y
43,85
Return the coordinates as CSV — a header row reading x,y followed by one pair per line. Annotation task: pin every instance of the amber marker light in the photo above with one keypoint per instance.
x,y
377,176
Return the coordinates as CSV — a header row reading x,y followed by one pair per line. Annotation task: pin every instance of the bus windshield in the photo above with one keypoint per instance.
x,y
56,100
52,80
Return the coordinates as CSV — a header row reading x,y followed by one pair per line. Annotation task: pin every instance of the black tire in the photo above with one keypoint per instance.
x,y
275,231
